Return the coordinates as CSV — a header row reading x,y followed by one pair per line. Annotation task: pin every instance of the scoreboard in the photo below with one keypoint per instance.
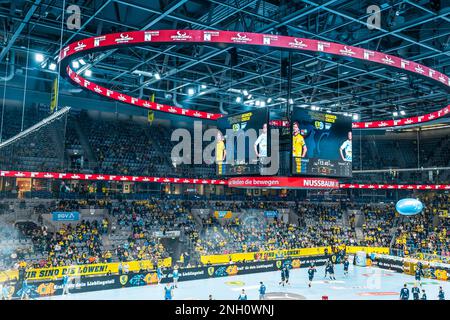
x,y
321,144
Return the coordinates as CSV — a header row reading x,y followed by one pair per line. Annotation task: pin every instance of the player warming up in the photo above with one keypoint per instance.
x,y
346,265
329,269
262,291
441,294
404,293
243,295
415,292
168,292
176,276
311,271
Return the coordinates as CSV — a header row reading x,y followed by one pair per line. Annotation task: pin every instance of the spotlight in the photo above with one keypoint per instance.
x,y
355,117
238,99
75,64
191,91
263,104
257,103
245,92
402,112
82,62
203,86
157,76
249,96
269,100
395,114
88,73
291,101
52,66
39,57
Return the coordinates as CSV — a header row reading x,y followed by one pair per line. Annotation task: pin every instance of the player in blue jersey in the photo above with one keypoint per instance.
x,y
5,291
65,284
346,265
159,274
311,271
441,294
286,273
168,292
262,291
415,292
283,277
243,295
424,295
418,275
330,270
176,276
404,293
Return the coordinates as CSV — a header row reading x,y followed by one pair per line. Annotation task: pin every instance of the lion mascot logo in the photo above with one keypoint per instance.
x,y
123,279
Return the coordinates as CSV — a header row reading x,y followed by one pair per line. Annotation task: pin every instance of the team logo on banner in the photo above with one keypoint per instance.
x,y
210,271
123,280
278,264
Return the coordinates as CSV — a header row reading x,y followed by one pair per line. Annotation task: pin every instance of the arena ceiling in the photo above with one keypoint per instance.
x,y
417,30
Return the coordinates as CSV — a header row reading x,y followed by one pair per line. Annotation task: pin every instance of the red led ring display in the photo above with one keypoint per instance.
x,y
155,37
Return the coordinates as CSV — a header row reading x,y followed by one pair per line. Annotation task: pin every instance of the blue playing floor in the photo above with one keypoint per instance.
x,y
361,283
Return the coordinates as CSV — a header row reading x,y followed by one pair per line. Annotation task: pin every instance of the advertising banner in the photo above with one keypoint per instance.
x,y
65,216
40,288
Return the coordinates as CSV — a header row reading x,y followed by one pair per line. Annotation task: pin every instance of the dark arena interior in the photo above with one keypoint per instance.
x,y
203,150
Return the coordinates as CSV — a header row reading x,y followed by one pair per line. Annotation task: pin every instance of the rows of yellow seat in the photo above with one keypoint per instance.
x,y
83,270
250,256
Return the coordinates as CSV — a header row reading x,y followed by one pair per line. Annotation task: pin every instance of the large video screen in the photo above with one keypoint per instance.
x,y
242,142
321,144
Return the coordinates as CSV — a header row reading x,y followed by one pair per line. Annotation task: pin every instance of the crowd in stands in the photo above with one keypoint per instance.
x,y
427,233
135,229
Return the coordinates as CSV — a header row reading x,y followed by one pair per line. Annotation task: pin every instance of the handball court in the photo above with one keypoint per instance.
x,y
362,283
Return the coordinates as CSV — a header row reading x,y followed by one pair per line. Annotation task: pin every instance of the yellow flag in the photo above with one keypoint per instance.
x,y
54,97
152,99
150,116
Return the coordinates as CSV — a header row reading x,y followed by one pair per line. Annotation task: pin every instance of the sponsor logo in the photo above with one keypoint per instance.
x,y
368,54
322,45
297,44
181,36
80,46
149,34
346,51
123,279
124,38
97,40
387,60
241,38
207,35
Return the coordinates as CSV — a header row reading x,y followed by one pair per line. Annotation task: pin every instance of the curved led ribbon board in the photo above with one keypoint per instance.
x,y
311,183
182,37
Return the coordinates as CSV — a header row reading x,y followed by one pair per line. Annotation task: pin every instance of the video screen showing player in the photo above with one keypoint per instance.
x,y
321,144
246,135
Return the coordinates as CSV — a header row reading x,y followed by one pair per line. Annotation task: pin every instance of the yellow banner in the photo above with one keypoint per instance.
x,y
84,270
250,256
54,97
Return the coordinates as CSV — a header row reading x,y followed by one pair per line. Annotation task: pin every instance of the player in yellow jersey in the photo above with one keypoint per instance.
x,y
221,152
299,148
